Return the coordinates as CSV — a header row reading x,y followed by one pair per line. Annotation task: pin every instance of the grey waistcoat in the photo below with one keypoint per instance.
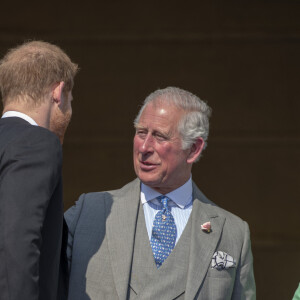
x,y
167,282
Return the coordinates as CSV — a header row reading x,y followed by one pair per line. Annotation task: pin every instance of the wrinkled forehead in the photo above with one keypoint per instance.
x,y
161,115
165,106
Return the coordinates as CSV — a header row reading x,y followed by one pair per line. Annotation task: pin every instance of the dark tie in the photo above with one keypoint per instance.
x,y
164,233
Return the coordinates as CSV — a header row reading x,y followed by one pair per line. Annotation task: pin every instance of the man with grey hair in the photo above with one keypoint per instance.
x,y
36,81
159,237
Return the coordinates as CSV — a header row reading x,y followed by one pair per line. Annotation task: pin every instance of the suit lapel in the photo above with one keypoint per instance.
x,y
121,226
203,245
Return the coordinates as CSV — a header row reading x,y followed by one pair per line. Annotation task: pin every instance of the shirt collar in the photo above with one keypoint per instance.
x,y
181,196
12,113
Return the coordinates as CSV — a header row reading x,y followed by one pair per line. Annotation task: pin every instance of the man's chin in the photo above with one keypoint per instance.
x,y
60,133
151,182
61,138
59,125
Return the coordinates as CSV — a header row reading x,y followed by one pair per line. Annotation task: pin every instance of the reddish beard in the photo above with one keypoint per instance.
x,y
59,123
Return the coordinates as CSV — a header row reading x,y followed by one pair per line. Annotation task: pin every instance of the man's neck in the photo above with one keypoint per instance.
x,y
40,114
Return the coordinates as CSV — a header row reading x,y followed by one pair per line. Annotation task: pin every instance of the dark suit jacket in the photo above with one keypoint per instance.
x,y
31,213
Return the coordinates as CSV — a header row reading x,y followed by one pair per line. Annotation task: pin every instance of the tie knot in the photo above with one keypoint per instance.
x,y
164,200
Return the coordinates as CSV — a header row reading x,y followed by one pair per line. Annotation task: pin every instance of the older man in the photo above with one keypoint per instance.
x,y
36,81
159,237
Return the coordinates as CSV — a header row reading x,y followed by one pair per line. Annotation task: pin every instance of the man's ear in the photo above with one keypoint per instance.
x,y
57,92
195,150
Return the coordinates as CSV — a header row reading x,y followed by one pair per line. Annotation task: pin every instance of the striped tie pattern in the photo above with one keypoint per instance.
x,y
164,233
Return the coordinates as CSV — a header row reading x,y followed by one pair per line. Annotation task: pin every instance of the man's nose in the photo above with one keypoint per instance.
x,y
147,145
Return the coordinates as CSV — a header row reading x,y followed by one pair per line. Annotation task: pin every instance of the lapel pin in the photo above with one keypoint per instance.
x,y
206,227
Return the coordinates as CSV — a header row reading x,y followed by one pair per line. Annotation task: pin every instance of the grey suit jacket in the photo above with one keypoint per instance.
x,y
101,240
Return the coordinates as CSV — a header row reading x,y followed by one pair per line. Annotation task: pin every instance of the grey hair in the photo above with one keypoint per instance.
x,y
195,122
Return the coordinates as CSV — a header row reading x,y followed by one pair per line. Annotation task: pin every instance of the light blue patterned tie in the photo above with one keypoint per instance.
x,y
164,233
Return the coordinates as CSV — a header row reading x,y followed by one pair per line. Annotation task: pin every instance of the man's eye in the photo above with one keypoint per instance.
x,y
160,137
141,133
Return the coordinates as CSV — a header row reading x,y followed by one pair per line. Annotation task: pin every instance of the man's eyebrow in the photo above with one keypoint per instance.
x,y
138,126
164,133
156,131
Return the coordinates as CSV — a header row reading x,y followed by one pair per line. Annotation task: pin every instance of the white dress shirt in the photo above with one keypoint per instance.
x,y
181,206
12,113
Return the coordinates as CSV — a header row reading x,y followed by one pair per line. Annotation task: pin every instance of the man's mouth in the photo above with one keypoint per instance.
x,y
147,163
147,166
